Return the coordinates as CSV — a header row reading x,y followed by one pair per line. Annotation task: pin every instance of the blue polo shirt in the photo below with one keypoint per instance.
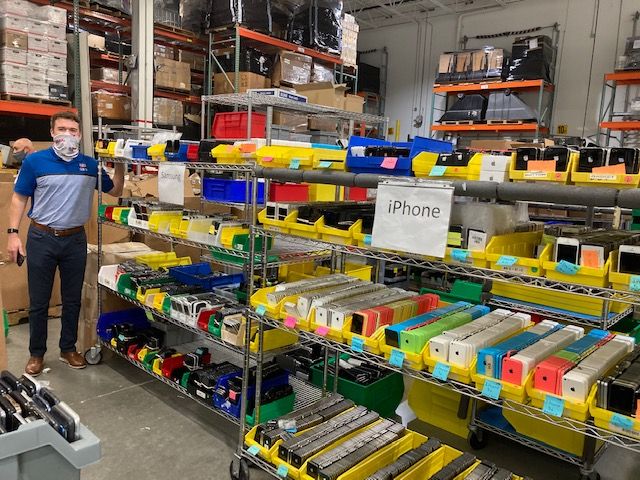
x,y
61,192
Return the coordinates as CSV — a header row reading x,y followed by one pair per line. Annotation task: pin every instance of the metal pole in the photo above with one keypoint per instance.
x,y
325,371
336,371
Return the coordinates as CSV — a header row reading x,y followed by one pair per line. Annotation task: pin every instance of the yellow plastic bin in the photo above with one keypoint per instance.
x,y
156,152
619,281
329,159
542,175
423,163
340,236
614,421
515,253
432,464
457,373
477,258
593,277
509,391
280,226
162,222
438,406
604,179
357,270
157,260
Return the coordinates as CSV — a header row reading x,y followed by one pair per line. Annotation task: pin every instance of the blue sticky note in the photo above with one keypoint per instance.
x,y
283,471
553,406
491,389
567,268
397,358
295,164
325,164
261,309
460,255
253,450
622,421
367,239
507,261
437,171
634,283
441,371
357,344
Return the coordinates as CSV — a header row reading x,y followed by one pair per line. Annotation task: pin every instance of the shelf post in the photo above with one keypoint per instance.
x,y
142,76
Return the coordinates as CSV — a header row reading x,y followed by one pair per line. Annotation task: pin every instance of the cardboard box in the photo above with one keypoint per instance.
x,y
13,55
36,74
291,67
324,93
13,87
58,77
37,43
110,105
321,73
96,41
17,23
323,124
195,60
38,90
168,112
58,32
246,81
13,39
59,47
109,75
14,72
164,52
38,59
57,61
37,27
173,74
354,103
112,254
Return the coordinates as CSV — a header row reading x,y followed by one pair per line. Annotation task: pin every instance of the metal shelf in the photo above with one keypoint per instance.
x,y
172,384
289,253
263,101
496,127
462,269
32,109
482,86
624,441
622,126
190,165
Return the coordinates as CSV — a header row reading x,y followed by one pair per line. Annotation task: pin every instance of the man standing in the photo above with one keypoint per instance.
x,y
60,182
19,151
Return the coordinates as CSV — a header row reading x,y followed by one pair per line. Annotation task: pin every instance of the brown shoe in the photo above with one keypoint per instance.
x,y
34,366
73,359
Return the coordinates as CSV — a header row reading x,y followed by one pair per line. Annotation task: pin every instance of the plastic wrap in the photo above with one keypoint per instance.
x,y
254,14
472,65
168,112
631,58
109,75
327,25
293,68
321,73
251,60
121,5
531,59
194,13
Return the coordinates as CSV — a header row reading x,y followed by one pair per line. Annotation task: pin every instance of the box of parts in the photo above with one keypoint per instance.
x,y
293,68
246,81
168,112
172,74
109,105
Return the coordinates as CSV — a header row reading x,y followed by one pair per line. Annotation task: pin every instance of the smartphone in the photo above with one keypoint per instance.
x,y
476,240
629,259
567,249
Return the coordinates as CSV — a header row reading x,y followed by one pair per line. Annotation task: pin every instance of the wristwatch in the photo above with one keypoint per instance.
x,y
13,230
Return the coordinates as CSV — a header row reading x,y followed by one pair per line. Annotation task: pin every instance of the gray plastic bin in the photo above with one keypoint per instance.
x,y
37,451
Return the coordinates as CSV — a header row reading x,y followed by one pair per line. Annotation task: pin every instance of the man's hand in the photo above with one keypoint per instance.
x,y
14,247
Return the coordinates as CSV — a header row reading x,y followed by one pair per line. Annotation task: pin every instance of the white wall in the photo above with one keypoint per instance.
x,y
592,35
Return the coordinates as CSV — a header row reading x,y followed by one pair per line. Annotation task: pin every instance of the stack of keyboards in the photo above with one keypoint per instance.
x,y
334,436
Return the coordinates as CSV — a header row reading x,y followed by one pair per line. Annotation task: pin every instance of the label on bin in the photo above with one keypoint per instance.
x,y
553,406
567,268
283,471
389,163
441,371
267,159
322,331
325,164
290,322
367,240
535,174
397,358
253,450
602,177
261,310
507,261
621,421
491,389
634,283
295,164
438,171
357,345
460,255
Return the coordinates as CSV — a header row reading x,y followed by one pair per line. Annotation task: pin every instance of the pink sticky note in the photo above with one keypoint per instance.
x,y
267,159
389,162
290,322
322,331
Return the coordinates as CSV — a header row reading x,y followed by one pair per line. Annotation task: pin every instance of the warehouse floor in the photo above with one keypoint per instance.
x,y
149,431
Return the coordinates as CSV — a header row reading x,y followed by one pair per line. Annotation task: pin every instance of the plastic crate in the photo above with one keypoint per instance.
x,y
432,464
593,277
424,162
521,247
234,125
563,177
358,164
180,155
192,152
157,260
200,274
140,152
228,190
156,152
135,316
289,192
603,419
613,180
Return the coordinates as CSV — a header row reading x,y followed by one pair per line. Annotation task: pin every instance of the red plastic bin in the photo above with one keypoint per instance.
x,y
192,152
357,194
289,192
233,125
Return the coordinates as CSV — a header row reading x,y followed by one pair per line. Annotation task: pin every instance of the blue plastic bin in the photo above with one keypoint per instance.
x,y
422,144
140,152
200,274
219,401
135,316
228,190
373,164
180,156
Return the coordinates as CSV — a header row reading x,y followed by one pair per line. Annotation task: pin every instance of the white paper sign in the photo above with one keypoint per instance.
x,y
413,218
171,183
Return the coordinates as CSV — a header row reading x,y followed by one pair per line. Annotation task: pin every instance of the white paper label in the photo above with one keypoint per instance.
x,y
171,183
599,177
636,44
413,218
535,174
533,43
477,241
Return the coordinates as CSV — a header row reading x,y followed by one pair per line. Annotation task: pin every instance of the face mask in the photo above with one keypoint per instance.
x,y
18,157
66,146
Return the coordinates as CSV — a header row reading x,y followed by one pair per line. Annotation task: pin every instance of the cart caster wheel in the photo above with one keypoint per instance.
x,y
239,470
477,440
591,476
93,356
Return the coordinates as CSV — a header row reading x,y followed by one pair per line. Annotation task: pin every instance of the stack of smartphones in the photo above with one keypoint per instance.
x,y
596,157
620,390
559,155
24,400
592,249
342,215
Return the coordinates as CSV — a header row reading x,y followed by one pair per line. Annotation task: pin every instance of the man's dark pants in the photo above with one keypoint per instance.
x,y
45,254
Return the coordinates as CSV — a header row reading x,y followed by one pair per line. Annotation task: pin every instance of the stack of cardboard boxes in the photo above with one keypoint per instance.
x,y
33,50
172,74
350,31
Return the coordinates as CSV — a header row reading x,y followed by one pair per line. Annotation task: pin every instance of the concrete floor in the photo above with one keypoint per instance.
x,y
151,432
